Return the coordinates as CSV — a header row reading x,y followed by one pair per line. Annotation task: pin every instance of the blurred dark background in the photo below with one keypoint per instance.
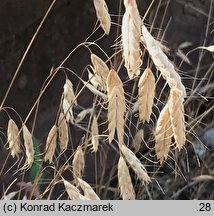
x,y
69,23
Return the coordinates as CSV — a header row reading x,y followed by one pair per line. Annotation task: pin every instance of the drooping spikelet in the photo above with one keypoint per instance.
x,y
162,62
176,110
163,134
68,100
100,67
103,15
94,90
78,163
83,114
29,150
146,94
73,192
87,190
95,80
51,144
131,25
13,138
101,72
135,164
124,180
138,138
116,106
63,132
94,134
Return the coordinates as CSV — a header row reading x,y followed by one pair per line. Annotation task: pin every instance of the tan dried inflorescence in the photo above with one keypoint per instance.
x,y
171,123
131,25
29,150
13,138
73,192
103,15
162,62
51,144
78,163
146,94
163,134
176,110
116,106
94,134
101,70
135,164
125,184
63,132
88,191
68,100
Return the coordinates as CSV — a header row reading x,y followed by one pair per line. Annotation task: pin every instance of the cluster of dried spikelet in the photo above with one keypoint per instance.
x,y
14,141
106,83
171,122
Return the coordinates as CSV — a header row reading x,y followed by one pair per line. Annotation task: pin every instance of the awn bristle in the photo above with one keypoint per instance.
x,y
131,25
138,138
73,192
163,134
51,144
135,164
87,190
68,100
28,142
125,184
78,163
116,106
13,138
162,62
103,15
146,94
63,132
95,134
176,110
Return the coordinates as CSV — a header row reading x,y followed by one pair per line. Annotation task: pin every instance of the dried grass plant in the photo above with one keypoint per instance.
x,y
162,62
101,72
13,138
88,190
78,163
116,106
146,94
51,144
29,150
138,138
176,110
103,15
68,100
73,192
95,134
63,132
131,25
147,126
124,181
163,134
135,164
